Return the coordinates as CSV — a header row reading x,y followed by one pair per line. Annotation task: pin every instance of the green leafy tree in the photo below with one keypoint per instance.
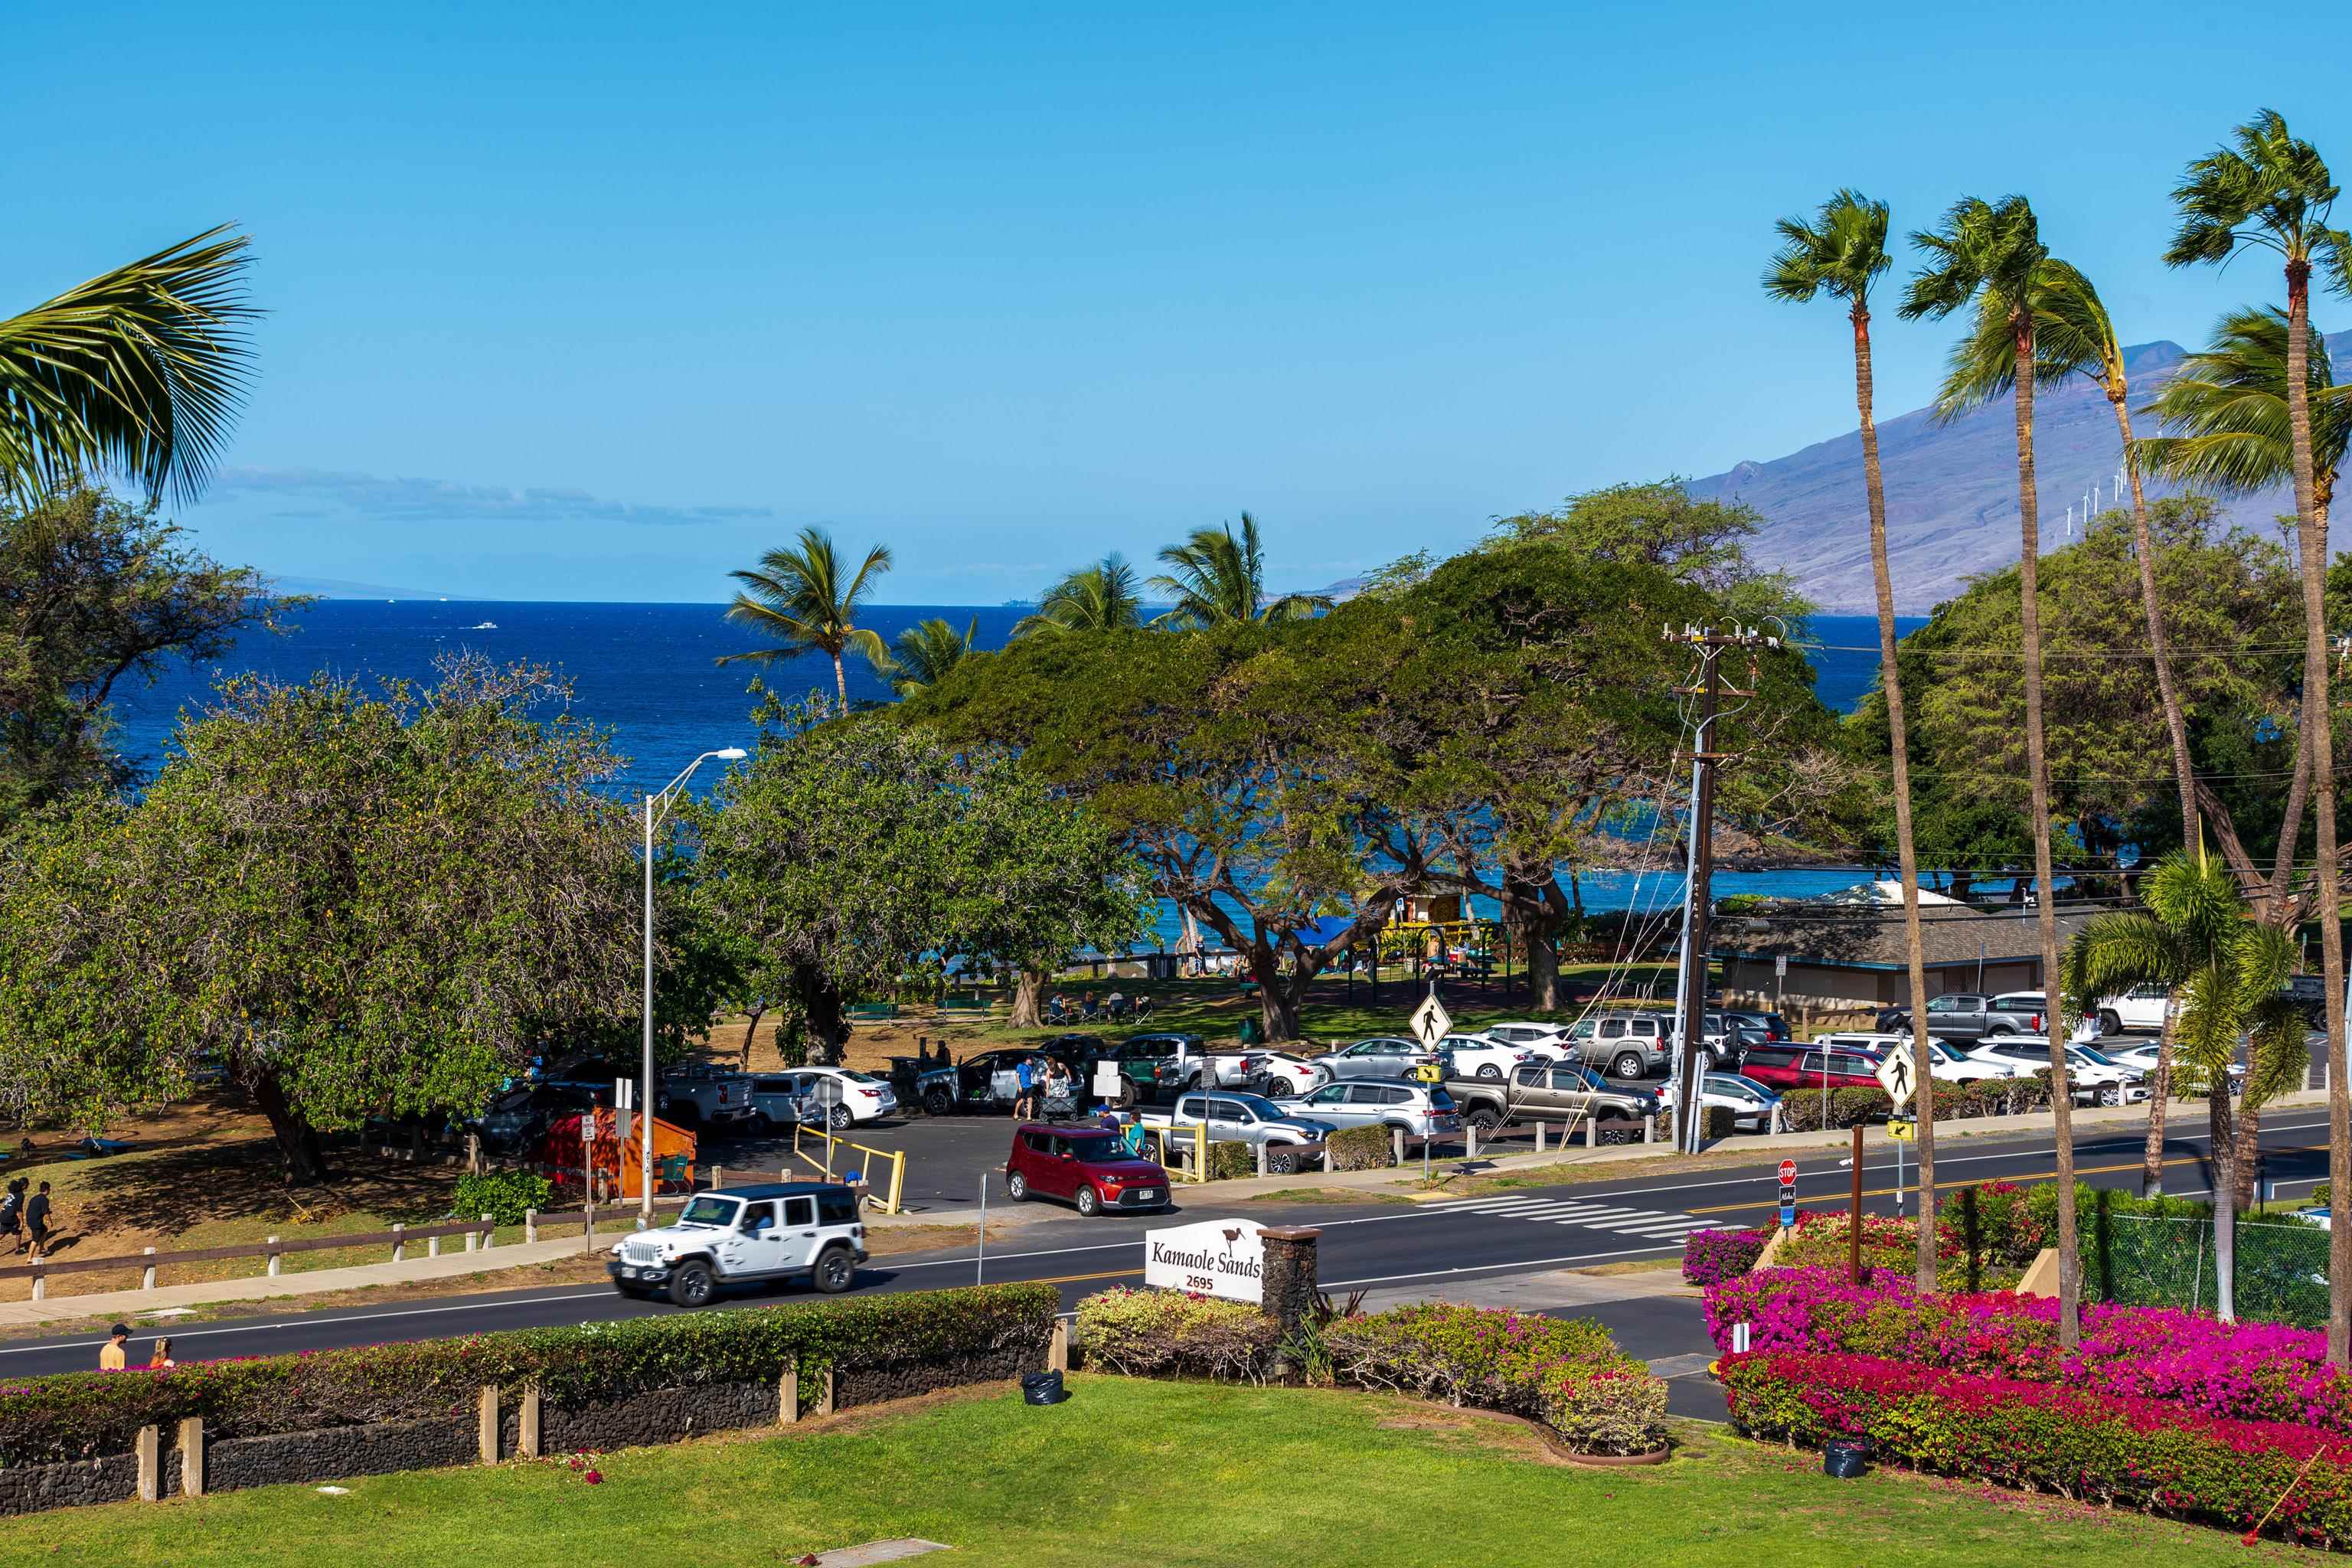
x,y
2229,971
801,596
845,855
1097,598
138,372
362,906
926,651
1217,577
1841,253
2269,191
1657,523
95,595
1989,255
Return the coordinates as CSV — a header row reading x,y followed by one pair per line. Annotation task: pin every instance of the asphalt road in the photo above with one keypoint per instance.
x,y
1383,1246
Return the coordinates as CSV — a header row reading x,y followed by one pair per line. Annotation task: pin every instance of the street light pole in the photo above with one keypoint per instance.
x,y
646,1090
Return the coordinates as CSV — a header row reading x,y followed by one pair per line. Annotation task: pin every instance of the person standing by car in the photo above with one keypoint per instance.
x,y
1024,1104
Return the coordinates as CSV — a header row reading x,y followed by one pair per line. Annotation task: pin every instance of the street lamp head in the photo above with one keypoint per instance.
x,y
731,755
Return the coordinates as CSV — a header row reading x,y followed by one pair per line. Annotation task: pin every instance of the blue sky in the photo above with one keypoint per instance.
x,y
597,302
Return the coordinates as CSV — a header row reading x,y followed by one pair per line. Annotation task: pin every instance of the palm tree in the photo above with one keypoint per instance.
x,y
1841,253
2230,974
1995,251
2074,335
1219,579
923,654
2228,409
1100,598
797,596
139,370
2273,192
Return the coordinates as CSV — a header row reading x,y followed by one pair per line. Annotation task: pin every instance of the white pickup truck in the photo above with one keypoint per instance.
x,y
1240,1118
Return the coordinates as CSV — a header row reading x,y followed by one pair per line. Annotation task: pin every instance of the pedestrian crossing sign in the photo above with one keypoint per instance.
x,y
1903,1130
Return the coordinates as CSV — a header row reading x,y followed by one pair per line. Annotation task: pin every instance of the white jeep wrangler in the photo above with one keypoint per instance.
x,y
756,1234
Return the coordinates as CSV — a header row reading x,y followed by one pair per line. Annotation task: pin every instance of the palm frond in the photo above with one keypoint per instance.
x,y
796,595
2268,189
139,371
1100,598
1982,245
2111,955
1841,252
2224,414
924,653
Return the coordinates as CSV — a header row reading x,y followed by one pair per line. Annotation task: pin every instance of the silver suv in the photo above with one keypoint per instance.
x,y
758,1234
1424,1110
1626,1045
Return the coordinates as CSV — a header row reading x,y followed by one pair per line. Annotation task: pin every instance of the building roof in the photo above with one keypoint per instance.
x,y
1863,938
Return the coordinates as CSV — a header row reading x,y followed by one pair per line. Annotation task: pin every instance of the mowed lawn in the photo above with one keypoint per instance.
x,y
1132,1472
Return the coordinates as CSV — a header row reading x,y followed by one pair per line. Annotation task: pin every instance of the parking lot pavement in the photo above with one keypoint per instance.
x,y
946,1156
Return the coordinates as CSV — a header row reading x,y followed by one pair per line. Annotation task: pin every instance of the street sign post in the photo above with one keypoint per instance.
x,y
1428,1072
1901,1131
1787,1173
1431,1021
1896,1075
1787,1194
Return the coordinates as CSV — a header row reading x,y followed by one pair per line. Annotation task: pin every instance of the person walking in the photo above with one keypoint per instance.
x,y
12,1215
36,1219
1024,1104
110,1357
161,1360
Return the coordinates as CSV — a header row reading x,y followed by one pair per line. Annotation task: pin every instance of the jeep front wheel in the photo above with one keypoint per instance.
x,y
834,1270
692,1285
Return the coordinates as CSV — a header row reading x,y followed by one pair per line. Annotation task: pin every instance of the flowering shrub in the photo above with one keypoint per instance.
x,y
1165,1334
1711,1256
2150,1454
2253,1372
1887,1243
82,1414
1566,1373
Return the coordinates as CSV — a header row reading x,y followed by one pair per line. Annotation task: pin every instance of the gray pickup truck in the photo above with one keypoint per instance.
x,y
1550,1091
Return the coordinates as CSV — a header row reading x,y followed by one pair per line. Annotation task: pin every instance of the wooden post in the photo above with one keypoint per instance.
x,y
432,1246
275,1258
192,1456
527,1426
40,1281
718,1178
788,1395
149,1450
488,1236
1540,1137
147,1275
1593,1132
588,1222
1853,1220
1057,1350
1472,1129
1650,1128
530,1226
1261,1159
487,1423
825,1400
399,1243
1396,1143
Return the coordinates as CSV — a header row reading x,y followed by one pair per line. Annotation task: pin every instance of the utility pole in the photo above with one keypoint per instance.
x,y
1690,1000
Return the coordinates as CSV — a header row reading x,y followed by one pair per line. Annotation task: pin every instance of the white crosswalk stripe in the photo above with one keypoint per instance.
x,y
1618,1219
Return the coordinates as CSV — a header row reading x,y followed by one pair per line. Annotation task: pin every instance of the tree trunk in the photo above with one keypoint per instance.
x,y
1890,681
822,1011
2159,1096
2225,1204
750,1031
840,681
2037,758
298,1141
1026,1013
2168,690
2246,1157
1279,994
2312,546
1535,923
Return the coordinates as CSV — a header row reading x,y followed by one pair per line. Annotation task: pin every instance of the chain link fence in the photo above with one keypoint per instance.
x,y
2144,1260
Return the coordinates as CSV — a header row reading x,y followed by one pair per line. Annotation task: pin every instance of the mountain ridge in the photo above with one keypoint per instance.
x,y
1951,490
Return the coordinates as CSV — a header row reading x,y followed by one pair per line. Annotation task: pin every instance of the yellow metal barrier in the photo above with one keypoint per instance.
x,y
1199,1169
889,1201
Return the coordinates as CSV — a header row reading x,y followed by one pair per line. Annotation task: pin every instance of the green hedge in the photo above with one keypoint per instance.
x,y
504,1195
1231,1161
83,1414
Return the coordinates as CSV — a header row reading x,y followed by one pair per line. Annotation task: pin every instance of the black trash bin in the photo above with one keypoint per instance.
x,y
1044,1388
1845,1457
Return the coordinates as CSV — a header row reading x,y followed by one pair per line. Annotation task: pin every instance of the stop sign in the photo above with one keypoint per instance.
x,y
1787,1173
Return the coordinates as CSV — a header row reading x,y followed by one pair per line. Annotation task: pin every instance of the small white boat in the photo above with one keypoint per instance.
x,y
483,626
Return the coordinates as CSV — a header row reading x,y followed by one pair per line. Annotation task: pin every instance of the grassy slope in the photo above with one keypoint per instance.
x,y
1135,1472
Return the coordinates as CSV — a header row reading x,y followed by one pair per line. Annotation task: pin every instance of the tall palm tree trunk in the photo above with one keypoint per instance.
x,y
2062,1105
2224,1141
840,681
1890,681
2311,545
2176,725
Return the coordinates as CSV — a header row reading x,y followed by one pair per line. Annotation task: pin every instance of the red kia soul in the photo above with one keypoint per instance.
x,y
1085,1165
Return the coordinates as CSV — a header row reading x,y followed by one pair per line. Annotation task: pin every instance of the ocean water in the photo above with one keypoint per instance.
x,y
650,673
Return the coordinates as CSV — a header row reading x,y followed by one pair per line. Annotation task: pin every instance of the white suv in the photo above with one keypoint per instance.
x,y
758,1234
2139,1011
1549,1042
1474,1056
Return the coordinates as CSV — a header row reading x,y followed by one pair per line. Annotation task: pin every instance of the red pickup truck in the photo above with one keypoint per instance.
x,y
1792,1066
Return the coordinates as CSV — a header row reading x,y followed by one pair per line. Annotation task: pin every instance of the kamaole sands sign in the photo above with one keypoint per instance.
x,y
1215,1258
